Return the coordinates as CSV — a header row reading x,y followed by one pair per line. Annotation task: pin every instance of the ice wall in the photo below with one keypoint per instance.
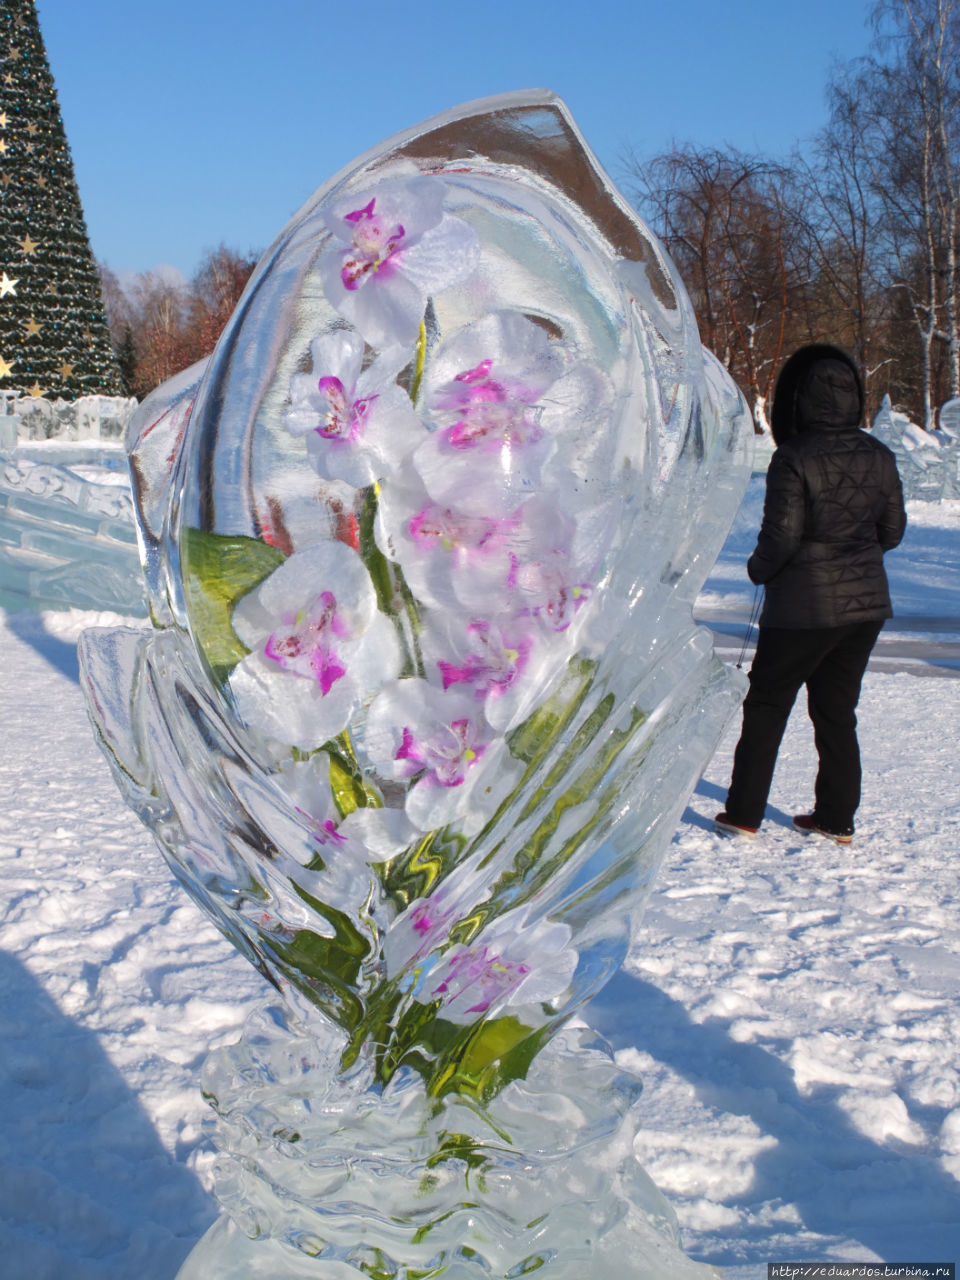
x,y
67,537
91,418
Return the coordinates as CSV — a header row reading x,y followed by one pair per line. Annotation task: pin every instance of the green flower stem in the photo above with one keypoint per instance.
x,y
420,360
350,788
416,872
394,597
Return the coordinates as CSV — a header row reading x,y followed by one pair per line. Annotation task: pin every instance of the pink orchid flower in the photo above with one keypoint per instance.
x,y
391,250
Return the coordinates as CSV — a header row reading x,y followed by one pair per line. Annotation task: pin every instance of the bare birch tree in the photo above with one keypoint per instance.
x,y
730,222
840,215
909,96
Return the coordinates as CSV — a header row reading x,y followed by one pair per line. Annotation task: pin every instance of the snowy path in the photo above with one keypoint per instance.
x,y
921,646
112,988
794,1008
924,572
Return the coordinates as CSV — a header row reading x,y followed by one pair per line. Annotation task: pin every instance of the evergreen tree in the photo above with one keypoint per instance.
x,y
54,339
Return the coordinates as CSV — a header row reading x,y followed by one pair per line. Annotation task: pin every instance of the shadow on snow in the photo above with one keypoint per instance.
x,y
87,1190
60,654
897,1202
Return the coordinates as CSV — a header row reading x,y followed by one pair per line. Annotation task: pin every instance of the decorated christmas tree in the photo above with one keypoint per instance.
x,y
54,340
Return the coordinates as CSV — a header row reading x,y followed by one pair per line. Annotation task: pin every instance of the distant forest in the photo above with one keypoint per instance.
x,y
158,327
854,238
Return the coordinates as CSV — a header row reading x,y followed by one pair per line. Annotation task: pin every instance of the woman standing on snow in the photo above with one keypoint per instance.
x,y
833,506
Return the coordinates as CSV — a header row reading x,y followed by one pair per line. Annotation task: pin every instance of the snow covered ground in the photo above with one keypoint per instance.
x,y
924,578
794,1007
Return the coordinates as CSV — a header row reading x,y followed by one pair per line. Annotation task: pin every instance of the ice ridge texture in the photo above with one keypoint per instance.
x,y
424,699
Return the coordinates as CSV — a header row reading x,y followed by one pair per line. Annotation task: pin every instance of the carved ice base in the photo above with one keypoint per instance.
x,y
330,1177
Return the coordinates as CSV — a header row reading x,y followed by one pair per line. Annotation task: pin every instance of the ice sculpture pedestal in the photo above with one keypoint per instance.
x,y
328,1176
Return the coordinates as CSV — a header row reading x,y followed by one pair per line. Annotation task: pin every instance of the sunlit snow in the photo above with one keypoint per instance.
x,y
793,1007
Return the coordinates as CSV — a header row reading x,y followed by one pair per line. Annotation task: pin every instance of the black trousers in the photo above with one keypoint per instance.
x,y
830,661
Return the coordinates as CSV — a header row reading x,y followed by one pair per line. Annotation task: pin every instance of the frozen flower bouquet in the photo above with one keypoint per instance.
x,y
423,699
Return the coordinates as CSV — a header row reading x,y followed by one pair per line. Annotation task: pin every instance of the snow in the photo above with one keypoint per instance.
x,y
112,990
793,1007
924,576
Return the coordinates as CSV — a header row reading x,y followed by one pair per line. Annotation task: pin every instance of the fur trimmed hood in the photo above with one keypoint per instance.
x,y
819,388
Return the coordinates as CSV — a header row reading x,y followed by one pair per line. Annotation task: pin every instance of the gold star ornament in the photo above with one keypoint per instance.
x,y
5,369
31,327
4,119
65,370
28,246
36,391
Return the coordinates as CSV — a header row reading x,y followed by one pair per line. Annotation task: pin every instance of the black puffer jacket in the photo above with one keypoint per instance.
x,y
833,505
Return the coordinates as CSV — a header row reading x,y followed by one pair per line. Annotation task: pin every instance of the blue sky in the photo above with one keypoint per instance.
x,y
198,121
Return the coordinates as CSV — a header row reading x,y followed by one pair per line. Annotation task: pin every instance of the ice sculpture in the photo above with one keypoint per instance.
x,y
928,461
424,699
65,539
88,421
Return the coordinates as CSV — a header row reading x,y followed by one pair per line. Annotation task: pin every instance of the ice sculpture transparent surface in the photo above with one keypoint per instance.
x,y
65,539
89,420
424,699
928,461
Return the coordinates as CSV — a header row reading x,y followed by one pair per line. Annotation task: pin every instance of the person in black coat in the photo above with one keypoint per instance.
x,y
833,506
